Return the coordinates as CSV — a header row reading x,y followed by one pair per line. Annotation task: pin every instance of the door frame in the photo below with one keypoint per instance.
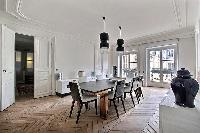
x,y
52,56
52,88
160,48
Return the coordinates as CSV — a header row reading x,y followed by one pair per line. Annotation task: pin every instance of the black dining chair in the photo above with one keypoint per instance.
x,y
140,83
140,80
118,92
129,89
80,99
138,93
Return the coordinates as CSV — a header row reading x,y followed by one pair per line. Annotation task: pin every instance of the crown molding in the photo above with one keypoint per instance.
x,y
165,35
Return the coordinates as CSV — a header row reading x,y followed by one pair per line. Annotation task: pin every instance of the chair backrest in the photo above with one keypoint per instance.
x,y
75,91
140,78
119,90
134,84
138,92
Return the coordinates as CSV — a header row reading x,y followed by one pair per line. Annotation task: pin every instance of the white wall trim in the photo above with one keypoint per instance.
x,y
0,66
176,11
165,35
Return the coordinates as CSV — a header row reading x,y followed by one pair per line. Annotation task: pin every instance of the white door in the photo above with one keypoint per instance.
x,y
162,66
42,67
8,60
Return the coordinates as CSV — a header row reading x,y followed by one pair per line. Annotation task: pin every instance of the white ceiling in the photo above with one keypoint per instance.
x,y
83,18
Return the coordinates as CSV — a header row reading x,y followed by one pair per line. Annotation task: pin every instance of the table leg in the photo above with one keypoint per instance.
x,y
104,105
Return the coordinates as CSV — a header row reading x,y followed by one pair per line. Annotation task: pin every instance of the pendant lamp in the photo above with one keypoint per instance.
x,y
104,37
120,42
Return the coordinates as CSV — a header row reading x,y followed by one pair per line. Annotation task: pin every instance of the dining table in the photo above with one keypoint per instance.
x,y
99,88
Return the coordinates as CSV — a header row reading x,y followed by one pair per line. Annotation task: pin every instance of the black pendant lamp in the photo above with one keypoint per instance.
x,y
104,37
120,42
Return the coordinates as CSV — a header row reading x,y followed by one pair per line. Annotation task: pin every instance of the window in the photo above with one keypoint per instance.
x,y
18,58
125,62
29,60
129,62
133,61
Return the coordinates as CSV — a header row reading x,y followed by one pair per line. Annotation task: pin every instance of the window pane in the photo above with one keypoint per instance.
x,y
155,66
29,60
133,57
18,56
133,65
168,54
168,64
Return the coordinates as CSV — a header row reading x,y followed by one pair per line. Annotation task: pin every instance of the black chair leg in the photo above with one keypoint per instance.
x,y
138,99
96,107
140,90
124,95
79,112
71,108
116,108
118,100
123,104
132,99
86,106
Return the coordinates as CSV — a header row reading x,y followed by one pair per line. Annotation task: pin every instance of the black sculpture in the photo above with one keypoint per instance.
x,y
185,88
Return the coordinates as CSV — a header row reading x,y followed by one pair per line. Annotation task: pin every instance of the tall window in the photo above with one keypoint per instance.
x,y
129,62
125,61
133,61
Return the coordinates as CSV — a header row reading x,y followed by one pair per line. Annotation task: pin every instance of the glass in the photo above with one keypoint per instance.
x,y
133,57
155,66
168,65
133,65
18,58
29,59
133,61
18,55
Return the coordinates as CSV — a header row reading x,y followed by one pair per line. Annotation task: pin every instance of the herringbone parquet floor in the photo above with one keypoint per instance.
x,y
50,114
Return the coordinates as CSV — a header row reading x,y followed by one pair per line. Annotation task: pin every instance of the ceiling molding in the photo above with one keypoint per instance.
x,y
176,11
186,13
167,35
19,7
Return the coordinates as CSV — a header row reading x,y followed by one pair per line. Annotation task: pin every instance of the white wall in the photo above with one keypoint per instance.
x,y
198,50
72,55
187,54
197,37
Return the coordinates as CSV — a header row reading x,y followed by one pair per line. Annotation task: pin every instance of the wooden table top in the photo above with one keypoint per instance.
x,y
97,86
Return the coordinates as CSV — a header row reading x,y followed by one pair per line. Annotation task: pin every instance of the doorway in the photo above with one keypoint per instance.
x,y
161,65
24,67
